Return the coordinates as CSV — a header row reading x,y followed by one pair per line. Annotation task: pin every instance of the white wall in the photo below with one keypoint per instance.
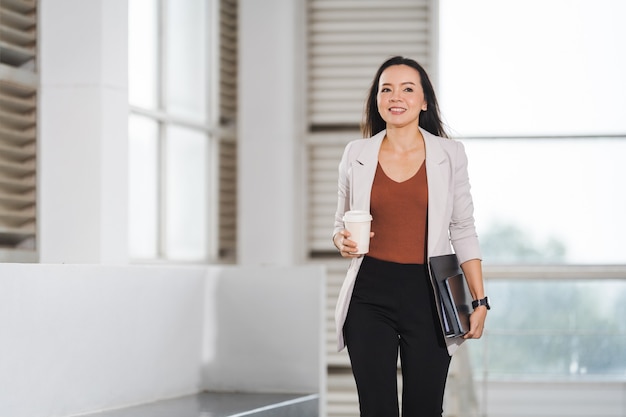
x,y
83,131
270,123
265,329
80,338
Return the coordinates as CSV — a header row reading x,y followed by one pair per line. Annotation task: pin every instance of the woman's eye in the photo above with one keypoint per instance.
x,y
408,90
385,90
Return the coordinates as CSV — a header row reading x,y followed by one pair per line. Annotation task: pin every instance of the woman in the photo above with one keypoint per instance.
x,y
414,182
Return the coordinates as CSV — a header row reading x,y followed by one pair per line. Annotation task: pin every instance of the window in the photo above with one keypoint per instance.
x,y
549,200
539,113
182,91
562,222
574,328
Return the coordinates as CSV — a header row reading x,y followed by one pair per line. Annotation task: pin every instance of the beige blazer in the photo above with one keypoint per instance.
x,y
450,206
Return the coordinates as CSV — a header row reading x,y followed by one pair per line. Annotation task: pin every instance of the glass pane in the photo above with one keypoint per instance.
x,y
186,190
187,71
549,200
142,53
143,187
497,77
553,328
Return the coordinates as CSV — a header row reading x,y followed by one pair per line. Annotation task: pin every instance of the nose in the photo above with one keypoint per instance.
x,y
395,96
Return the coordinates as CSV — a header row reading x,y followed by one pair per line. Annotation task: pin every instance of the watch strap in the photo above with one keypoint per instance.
x,y
481,302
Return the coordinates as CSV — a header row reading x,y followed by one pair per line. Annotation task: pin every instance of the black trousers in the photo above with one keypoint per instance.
x,y
392,309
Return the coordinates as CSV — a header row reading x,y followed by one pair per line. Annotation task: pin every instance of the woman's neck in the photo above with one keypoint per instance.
x,y
404,138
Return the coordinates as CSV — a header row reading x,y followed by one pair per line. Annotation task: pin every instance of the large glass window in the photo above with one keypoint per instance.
x,y
554,329
534,91
171,140
549,200
533,67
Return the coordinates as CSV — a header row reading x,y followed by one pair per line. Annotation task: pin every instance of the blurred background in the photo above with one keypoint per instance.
x,y
209,131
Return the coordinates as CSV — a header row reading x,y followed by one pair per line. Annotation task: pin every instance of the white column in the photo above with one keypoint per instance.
x,y
269,131
83,107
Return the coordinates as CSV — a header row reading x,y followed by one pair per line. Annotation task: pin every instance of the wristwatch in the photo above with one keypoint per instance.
x,y
481,302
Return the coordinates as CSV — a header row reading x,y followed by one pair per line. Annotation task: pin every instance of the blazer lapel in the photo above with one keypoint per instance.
x,y
363,171
438,175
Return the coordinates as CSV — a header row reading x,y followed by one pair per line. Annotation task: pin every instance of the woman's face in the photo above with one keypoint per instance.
x,y
400,96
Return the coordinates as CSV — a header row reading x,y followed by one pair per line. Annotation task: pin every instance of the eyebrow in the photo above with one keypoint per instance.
x,y
404,83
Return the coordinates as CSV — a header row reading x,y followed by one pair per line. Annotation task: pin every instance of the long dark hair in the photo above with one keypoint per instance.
x,y
430,120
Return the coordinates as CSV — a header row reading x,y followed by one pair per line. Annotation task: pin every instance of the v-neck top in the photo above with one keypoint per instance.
x,y
399,211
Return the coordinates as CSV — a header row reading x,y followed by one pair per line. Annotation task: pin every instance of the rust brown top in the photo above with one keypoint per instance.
x,y
399,211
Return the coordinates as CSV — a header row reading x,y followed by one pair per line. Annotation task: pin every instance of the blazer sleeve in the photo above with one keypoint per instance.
x,y
343,189
462,228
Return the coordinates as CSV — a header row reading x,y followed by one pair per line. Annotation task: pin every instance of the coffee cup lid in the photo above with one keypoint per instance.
x,y
357,216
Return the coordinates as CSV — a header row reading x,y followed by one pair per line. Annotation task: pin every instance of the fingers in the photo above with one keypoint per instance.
x,y
477,324
474,334
346,246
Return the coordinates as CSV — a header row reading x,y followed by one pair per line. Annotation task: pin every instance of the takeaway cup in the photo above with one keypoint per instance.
x,y
358,223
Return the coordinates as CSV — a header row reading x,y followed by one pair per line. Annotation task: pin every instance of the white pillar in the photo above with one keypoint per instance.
x,y
83,113
269,130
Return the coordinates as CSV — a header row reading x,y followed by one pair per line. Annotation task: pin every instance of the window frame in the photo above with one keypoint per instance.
x,y
217,133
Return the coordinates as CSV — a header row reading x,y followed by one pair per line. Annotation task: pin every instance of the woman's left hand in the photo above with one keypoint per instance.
x,y
477,323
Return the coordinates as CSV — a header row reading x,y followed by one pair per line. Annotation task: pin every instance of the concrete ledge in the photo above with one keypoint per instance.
x,y
225,405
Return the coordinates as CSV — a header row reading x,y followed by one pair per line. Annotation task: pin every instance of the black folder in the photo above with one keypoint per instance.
x,y
455,300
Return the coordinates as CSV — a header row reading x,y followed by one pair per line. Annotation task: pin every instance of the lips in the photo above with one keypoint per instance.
x,y
396,110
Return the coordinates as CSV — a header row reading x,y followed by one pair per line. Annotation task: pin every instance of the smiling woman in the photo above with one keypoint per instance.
x,y
415,185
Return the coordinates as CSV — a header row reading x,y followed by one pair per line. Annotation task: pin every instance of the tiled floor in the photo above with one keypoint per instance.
x,y
209,404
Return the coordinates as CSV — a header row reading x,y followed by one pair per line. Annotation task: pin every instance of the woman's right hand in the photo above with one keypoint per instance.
x,y
345,245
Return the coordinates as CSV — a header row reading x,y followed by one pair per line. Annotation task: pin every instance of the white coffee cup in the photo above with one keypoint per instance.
x,y
359,223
